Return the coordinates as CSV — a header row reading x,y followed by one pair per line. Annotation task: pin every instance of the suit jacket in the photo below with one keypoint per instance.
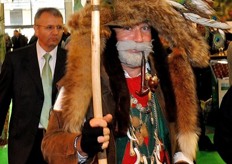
x,y
20,81
19,42
223,128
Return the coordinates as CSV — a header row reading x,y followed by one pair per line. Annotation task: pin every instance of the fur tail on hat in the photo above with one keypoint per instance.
x,y
187,130
77,82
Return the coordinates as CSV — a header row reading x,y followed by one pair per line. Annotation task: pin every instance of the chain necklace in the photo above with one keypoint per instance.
x,y
143,122
143,131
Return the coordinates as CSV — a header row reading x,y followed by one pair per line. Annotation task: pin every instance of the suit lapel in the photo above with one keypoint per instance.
x,y
32,65
60,67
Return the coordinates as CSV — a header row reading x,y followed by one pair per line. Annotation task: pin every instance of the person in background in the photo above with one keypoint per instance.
x,y
22,81
148,94
33,39
66,43
223,129
18,40
65,35
8,42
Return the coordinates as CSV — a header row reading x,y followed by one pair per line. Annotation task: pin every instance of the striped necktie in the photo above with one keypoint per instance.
x,y
47,89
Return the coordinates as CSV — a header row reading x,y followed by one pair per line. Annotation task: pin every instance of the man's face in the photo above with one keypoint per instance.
x,y
49,30
138,33
16,33
132,43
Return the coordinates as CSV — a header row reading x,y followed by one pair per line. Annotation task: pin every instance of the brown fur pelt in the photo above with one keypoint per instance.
x,y
78,71
77,83
187,108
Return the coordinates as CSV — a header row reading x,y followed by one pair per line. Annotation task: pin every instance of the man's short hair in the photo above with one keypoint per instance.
x,y
54,11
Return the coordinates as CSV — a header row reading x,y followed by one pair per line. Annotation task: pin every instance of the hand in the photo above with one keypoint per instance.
x,y
95,135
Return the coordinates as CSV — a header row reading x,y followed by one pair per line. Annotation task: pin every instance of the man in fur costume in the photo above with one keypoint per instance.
x,y
144,117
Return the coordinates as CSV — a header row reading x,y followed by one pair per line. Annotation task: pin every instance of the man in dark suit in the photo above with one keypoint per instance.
x,y
18,40
21,81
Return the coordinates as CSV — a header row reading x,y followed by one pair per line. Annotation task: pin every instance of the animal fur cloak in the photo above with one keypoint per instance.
x,y
187,49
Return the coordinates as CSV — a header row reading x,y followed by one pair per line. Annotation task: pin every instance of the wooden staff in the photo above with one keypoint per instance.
x,y
96,84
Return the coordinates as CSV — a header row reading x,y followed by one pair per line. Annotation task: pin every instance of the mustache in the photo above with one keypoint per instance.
x,y
132,45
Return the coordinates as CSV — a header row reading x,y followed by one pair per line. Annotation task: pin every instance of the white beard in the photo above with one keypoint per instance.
x,y
133,59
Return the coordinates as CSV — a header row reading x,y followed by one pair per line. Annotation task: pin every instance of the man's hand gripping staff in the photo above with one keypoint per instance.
x,y
95,135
